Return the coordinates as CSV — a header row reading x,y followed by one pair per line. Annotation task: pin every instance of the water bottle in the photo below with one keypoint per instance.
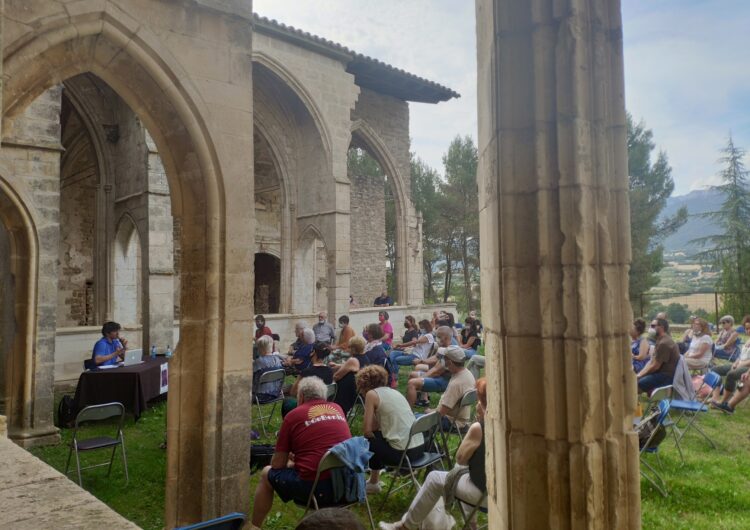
x,y
168,353
153,351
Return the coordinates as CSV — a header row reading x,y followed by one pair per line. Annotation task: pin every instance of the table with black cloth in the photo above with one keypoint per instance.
x,y
133,386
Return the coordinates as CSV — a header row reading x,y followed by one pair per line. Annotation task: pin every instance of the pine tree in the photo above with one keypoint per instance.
x,y
650,186
729,251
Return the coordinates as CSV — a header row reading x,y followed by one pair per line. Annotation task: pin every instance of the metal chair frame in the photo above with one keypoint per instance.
x,y
691,409
481,506
94,413
331,392
359,404
328,462
650,473
232,521
428,426
469,399
666,392
271,376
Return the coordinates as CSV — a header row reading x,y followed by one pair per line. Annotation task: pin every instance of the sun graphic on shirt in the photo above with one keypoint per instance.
x,y
322,410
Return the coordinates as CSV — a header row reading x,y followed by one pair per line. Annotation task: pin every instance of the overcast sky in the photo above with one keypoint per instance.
x,y
687,71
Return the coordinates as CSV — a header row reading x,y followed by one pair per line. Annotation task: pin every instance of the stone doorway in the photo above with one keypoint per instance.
x,y
267,283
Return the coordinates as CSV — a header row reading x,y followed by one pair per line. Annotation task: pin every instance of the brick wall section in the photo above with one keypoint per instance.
x,y
367,238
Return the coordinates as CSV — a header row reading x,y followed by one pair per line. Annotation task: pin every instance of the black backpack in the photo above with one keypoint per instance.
x,y
648,426
66,412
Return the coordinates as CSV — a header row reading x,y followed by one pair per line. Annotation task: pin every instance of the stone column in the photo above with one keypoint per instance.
x,y
554,228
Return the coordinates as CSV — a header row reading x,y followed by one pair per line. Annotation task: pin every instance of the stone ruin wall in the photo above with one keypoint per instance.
x,y
367,238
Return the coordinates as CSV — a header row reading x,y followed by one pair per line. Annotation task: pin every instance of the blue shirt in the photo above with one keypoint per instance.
x,y
304,354
104,347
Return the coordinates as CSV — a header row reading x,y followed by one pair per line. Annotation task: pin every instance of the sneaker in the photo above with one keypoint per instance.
x,y
254,435
724,407
715,404
422,403
372,489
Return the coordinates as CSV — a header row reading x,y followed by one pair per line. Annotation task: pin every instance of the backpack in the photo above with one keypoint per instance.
x,y
66,412
260,456
648,426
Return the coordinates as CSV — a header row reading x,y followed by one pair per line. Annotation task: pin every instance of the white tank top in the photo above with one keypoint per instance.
x,y
396,418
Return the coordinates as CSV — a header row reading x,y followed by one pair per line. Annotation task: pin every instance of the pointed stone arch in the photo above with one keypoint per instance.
x,y
127,273
156,76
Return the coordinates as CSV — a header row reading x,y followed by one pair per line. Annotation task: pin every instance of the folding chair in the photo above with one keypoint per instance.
x,y
328,462
650,473
691,409
659,394
469,399
332,389
481,506
428,426
359,404
94,413
232,521
270,376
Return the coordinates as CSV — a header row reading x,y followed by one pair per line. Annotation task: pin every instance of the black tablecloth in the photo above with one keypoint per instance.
x,y
133,386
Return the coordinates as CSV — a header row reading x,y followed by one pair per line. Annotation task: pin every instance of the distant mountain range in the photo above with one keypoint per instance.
x,y
698,201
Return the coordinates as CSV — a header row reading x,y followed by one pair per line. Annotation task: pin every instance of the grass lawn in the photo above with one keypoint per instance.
x,y
709,491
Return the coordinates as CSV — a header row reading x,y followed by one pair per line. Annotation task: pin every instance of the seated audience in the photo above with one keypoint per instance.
x,y
317,368
387,338
387,421
421,346
727,343
266,362
344,374
732,373
374,349
470,487
301,357
110,349
412,331
473,314
324,331
299,327
469,339
699,354
639,345
659,370
475,365
306,434
347,332
383,300
460,382
429,375
260,327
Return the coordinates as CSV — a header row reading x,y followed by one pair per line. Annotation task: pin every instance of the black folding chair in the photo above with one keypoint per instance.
x,y
270,376
328,462
94,413
428,426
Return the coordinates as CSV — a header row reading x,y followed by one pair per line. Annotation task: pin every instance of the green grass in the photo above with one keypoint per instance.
x,y
709,491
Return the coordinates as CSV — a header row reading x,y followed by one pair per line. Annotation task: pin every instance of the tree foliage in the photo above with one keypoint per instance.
x,y
650,186
729,251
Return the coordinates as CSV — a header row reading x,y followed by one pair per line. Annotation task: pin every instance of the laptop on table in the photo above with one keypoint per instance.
x,y
133,357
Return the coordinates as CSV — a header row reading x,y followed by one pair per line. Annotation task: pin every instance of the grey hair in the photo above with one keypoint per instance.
x,y
312,387
730,318
301,324
445,331
308,335
265,344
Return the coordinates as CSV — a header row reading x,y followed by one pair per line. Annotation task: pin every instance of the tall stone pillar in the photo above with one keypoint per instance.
x,y
554,228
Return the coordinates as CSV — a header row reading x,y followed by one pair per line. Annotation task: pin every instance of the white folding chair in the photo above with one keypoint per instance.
x,y
692,409
331,391
94,413
469,399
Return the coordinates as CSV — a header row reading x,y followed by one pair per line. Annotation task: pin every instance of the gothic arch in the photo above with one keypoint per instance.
x,y
127,272
299,90
21,409
129,57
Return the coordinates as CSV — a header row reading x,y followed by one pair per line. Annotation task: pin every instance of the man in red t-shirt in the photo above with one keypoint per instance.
x,y
308,431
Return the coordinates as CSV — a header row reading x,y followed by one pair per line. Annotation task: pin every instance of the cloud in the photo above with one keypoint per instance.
x,y
434,39
686,71
686,75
